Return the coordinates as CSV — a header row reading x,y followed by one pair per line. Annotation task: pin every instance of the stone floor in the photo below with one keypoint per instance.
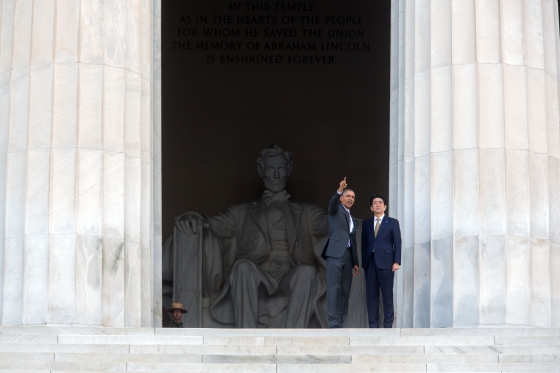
x,y
88,349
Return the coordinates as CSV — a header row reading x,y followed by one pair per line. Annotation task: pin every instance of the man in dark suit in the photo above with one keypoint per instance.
x,y
340,254
381,257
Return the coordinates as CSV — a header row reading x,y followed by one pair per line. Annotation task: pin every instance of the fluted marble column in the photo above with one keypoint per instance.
x,y
475,161
80,165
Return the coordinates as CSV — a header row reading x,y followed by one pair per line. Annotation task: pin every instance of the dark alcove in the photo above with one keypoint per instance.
x,y
331,112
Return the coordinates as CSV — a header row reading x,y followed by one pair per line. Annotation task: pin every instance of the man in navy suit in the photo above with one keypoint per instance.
x,y
381,257
340,254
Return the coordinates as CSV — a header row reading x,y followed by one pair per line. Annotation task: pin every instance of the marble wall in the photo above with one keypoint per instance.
x,y
475,161
80,168
474,174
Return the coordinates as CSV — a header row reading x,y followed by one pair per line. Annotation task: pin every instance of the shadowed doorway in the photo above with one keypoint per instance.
x,y
312,78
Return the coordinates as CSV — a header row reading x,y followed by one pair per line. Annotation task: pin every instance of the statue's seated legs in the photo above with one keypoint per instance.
x,y
299,287
245,279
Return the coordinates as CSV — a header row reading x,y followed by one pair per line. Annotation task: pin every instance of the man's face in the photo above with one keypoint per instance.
x,y
275,173
177,315
347,199
378,206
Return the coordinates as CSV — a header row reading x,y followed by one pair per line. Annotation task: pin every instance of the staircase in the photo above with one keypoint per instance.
x,y
90,349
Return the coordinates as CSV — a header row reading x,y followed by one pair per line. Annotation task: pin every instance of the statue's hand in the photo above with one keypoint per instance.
x,y
190,223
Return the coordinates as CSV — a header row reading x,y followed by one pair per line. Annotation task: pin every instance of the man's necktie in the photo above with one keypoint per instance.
x,y
376,227
349,218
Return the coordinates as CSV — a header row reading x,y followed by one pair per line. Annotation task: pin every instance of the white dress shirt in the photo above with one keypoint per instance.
x,y
375,223
351,222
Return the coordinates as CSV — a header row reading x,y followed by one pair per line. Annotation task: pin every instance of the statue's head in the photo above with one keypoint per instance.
x,y
274,166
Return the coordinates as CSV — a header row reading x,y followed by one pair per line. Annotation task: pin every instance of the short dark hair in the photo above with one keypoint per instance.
x,y
377,196
347,190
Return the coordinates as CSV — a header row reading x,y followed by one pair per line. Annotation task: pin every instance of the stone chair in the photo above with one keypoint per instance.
x,y
194,271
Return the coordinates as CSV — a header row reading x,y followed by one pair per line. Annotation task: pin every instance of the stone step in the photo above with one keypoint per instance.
x,y
528,357
428,350
28,338
130,339
323,341
55,366
278,359
85,349
87,330
388,353
277,368
62,366
278,340
497,332
73,330
278,350
281,340
308,369
364,332
129,358
515,349
466,368
550,340
75,348
485,367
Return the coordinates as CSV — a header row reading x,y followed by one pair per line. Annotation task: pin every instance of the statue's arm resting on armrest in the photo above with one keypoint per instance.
x,y
216,233
222,225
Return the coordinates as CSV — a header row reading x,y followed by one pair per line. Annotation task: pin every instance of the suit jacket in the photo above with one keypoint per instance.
x,y
339,233
386,246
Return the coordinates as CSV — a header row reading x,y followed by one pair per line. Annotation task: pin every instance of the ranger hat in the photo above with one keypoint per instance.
x,y
177,306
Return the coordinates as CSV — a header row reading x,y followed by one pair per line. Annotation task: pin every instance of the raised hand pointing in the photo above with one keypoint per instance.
x,y
343,185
